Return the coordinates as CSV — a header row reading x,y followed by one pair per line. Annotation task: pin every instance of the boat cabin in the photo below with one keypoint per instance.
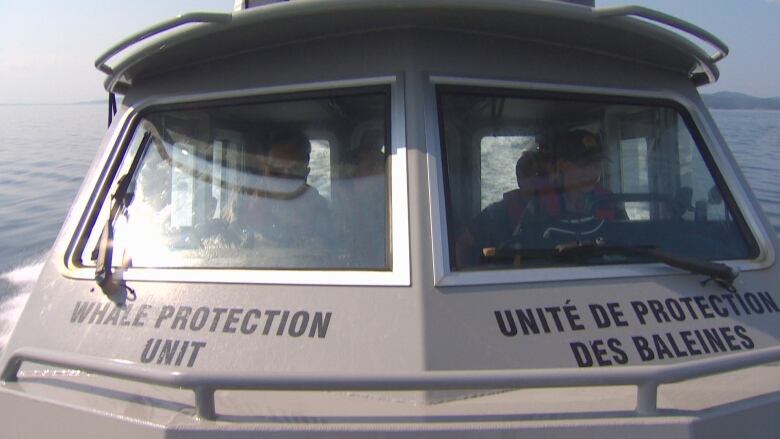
x,y
496,217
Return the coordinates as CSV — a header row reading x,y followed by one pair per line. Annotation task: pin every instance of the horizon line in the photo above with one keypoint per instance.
x,y
105,100
86,102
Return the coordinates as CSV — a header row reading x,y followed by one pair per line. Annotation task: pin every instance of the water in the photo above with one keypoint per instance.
x,y
45,151
754,137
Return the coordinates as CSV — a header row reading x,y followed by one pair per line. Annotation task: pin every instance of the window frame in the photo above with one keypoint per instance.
x,y
718,160
399,272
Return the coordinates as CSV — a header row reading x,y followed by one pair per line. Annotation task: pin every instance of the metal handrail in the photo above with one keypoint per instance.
x,y
660,17
194,17
205,384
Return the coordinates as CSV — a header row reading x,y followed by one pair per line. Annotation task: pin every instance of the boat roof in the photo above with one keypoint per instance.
x,y
633,33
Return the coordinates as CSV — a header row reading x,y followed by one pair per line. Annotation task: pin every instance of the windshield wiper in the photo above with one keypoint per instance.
x,y
120,200
722,274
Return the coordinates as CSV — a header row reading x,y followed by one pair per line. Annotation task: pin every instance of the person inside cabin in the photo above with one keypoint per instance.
x,y
361,195
277,206
576,205
370,158
500,221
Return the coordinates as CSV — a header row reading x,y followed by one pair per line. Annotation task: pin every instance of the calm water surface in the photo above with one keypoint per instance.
x,y
754,138
45,151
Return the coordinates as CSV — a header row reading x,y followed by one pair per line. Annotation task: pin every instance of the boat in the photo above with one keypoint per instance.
x,y
406,218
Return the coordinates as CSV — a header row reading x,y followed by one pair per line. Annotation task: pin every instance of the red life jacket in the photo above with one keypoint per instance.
x,y
550,203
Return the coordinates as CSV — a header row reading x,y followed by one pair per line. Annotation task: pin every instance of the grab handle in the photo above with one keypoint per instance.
x,y
676,23
194,17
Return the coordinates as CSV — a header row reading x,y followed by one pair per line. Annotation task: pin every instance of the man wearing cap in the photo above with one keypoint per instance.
x,y
498,222
578,205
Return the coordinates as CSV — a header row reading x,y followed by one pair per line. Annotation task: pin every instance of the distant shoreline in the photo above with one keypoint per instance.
x,y
49,104
743,109
67,104
724,100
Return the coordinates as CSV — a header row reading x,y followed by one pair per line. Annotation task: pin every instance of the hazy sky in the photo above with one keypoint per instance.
x,y
47,47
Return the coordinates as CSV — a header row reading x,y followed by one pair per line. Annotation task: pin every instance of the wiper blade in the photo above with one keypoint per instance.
x,y
723,274
120,200
104,253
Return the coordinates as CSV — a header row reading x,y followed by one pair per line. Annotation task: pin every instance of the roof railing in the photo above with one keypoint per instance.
x,y
621,11
205,384
673,22
222,18
194,17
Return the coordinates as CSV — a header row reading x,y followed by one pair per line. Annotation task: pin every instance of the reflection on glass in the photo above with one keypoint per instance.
x,y
528,177
295,184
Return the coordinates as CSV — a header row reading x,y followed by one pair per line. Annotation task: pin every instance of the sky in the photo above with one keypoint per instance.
x,y
48,47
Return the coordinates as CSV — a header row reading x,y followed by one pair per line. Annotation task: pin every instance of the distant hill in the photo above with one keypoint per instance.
x,y
33,104
728,100
93,102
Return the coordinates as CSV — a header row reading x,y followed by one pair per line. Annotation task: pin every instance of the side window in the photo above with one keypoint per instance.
x,y
319,176
494,153
295,183
182,185
528,179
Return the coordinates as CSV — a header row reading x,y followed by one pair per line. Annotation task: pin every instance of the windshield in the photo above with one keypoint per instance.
x,y
295,183
525,175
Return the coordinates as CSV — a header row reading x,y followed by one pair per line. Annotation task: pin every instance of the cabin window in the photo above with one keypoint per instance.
x,y
554,181
296,182
494,152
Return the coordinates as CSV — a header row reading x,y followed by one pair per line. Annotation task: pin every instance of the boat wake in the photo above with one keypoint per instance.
x,y
15,287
